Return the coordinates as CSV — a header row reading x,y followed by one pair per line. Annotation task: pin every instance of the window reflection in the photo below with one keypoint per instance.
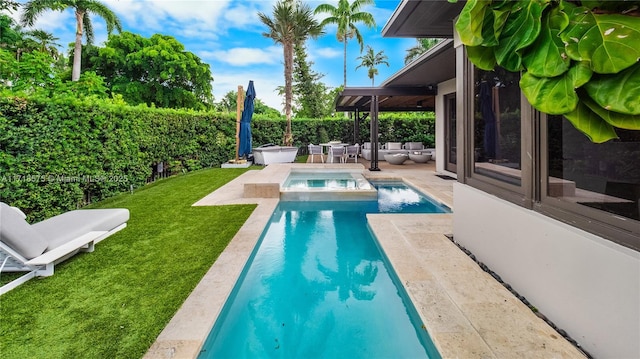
x,y
497,112
604,176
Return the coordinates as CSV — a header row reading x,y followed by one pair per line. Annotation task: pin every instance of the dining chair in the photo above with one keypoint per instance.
x,y
351,152
316,150
336,151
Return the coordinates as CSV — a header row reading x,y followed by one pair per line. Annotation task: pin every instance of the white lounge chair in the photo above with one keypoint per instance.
x,y
37,248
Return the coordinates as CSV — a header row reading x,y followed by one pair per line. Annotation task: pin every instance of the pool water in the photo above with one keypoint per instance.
x,y
317,286
319,180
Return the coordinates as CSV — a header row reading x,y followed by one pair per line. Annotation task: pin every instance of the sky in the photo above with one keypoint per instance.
x,y
227,35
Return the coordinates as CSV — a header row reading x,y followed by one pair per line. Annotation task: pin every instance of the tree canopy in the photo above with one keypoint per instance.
x,y
292,23
346,15
579,59
155,71
83,9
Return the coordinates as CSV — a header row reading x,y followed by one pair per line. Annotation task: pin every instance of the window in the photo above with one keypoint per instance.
x,y
543,163
450,133
601,181
497,121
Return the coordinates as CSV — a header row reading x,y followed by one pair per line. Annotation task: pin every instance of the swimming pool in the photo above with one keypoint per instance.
x,y
317,286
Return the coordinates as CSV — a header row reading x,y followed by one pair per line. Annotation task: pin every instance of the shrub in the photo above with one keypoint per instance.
x,y
62,153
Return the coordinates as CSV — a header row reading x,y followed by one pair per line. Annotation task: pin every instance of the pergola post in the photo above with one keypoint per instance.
x,y
356,126
374,133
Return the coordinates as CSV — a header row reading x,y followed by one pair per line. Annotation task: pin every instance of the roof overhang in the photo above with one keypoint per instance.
x,y
436,65
429,18
411,89
417,98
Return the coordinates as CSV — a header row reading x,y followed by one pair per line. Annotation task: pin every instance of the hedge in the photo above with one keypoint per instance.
x,y
58,155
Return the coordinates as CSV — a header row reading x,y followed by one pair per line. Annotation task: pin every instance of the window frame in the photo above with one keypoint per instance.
x,y
532,192
518,194
618,229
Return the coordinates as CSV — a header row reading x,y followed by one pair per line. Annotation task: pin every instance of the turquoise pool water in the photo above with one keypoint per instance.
x,y
317,286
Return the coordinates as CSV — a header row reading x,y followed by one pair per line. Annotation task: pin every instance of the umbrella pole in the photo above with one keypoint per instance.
x,y
239,108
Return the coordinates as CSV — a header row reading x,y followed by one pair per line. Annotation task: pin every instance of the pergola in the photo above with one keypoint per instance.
x,y
414,88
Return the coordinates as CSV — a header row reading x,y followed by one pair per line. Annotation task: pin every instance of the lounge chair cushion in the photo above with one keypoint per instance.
x,y
70,225
19,235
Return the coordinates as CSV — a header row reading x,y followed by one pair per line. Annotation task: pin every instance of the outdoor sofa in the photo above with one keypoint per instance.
x,y
391,148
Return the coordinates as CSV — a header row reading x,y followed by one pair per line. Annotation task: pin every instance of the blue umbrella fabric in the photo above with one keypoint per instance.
x,y
245,121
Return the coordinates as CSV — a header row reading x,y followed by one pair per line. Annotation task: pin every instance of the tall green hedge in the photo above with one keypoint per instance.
x,y
57,155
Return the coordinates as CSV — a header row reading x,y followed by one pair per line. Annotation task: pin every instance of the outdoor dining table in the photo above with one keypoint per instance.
x,y
325,147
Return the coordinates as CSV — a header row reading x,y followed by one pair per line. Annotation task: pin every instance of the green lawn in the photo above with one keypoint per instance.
x,y
114,302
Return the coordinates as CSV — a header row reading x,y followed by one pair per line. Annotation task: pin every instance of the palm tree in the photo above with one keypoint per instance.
x,y
46,42
34,8
422,45
346,15
292,23
370,60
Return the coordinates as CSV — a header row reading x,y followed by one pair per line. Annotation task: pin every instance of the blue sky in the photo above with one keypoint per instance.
x,y
227,35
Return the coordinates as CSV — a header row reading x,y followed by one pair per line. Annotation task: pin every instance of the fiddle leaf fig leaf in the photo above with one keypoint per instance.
x,y
547,56
616,119
520,30
590,124
555,95
472,23
482,57
619,92
609,42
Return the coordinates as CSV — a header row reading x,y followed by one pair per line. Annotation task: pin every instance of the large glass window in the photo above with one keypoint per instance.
x,y
497,124
602,176
451,140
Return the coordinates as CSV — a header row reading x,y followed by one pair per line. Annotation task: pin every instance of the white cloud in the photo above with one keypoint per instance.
x,y
245,56
326,52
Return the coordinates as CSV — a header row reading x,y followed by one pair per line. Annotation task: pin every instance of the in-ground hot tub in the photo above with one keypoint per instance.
x,y
274,154
327,185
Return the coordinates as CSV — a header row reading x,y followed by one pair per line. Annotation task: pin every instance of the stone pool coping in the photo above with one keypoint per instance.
x,y
467,313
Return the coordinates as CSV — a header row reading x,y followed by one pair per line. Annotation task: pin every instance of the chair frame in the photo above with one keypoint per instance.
x,y
340,154
312,153
43,265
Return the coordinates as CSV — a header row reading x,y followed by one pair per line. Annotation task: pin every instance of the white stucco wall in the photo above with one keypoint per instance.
x,y
585,284
444,88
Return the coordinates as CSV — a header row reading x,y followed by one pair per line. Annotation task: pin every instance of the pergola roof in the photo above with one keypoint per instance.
x,y
411,89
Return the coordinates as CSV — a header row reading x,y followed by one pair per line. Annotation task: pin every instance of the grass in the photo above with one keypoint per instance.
x,y
114,302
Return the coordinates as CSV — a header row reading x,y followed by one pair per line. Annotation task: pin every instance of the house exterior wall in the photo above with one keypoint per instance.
x,y
444,88
586,285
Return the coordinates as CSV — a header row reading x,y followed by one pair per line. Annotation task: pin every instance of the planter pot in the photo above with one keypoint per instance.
x,y
396,159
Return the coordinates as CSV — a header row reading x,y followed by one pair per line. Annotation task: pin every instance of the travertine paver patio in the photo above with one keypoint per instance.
x,y
467,313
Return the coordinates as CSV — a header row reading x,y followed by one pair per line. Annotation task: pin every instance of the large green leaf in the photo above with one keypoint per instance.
x,y
521,30
547,56
474,23
589,123
619,92
616,119
555,95
609,42
482,57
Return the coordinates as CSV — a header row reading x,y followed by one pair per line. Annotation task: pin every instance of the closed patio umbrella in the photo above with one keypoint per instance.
x,y
245,122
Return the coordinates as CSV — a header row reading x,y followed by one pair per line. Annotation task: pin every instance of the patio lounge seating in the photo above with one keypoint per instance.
x,y
37,248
